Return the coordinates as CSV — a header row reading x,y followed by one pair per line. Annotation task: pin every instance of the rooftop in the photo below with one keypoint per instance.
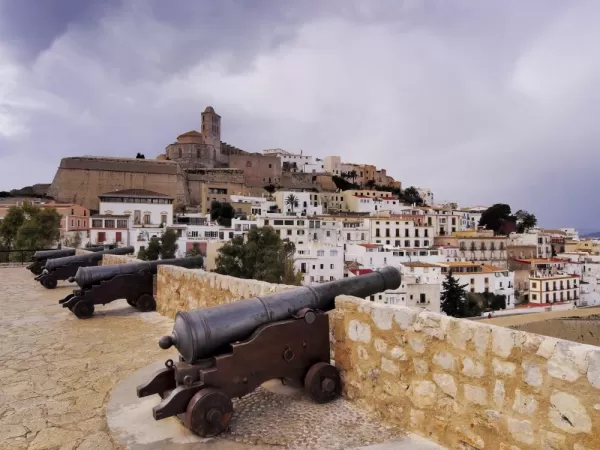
x,y
419,264
142,193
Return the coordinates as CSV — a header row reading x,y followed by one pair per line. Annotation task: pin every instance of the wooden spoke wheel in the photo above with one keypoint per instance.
x,y
145,303
208,412
49,282
83,310
323,382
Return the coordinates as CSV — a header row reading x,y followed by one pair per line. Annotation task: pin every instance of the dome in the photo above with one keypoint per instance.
x,y
209,109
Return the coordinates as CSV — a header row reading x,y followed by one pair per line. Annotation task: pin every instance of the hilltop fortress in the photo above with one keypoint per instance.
x,y
194,170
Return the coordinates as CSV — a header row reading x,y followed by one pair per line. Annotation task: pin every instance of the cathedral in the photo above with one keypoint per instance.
x,y
194,150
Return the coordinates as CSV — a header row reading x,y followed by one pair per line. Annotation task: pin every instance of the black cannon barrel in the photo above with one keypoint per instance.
x,y
86,276
88,258
46,254
199,332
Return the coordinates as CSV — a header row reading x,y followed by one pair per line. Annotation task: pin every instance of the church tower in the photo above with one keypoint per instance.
x,y
211,130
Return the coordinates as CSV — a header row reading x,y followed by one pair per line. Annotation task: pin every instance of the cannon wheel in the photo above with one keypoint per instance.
x,y
49,282
208,412
132,302
323,382
145,303
83,310
37,270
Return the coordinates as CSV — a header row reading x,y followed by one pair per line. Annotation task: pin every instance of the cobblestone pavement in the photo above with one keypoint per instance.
x,y
56,371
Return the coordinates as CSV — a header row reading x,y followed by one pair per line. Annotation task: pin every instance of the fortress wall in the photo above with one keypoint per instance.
x,y
82,180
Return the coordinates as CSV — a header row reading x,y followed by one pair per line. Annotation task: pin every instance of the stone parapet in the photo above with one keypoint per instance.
x,y
466,384
111,260
81,251
180,289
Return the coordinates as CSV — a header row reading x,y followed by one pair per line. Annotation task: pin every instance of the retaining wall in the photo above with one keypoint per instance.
x,y
178,288
466,384
111,260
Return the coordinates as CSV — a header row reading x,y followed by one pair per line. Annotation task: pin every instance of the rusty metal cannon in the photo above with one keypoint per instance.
x,y
227,351
132,281
66,267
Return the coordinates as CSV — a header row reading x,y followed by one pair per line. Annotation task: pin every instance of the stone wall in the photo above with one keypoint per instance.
x,y
111,260
466,384
183,289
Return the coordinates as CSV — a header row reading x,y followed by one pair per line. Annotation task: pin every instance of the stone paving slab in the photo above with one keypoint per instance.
x,y
57,373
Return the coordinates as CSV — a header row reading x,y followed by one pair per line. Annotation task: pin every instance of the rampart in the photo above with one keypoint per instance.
x,y
464,384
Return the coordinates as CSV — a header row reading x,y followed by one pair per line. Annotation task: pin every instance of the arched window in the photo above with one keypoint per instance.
x,y
248,164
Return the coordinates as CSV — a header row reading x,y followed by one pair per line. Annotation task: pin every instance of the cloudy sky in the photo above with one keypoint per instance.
x,y
481,101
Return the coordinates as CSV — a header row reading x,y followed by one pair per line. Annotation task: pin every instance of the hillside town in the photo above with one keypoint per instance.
x,y
344,219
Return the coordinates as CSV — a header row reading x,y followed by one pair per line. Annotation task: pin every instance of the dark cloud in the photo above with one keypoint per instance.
x,y
481,101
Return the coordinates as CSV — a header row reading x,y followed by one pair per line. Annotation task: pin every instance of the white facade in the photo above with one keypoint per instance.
x,y
420,288
306,203
374,256
145,207
319,263
333,165
260,205
292,162
401,231
571,233
111,229
318,166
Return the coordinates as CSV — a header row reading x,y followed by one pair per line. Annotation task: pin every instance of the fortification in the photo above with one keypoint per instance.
x,y
81,180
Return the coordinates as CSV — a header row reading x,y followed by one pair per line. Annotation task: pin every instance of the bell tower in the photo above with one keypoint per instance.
x,y
211,129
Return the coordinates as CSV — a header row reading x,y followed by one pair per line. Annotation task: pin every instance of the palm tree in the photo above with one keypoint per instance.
x,y
291,201
352,174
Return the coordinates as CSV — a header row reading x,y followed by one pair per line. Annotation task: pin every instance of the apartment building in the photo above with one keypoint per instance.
x,y
420,289
477,246
591,246
258,205
111,229
481,278
406,231
545,286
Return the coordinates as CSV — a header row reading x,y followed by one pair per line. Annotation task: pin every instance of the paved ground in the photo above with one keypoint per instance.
x,y
521,319
57,373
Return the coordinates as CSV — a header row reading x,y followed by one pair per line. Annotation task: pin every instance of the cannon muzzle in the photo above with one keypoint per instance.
x,y
87,259
87,276
199,333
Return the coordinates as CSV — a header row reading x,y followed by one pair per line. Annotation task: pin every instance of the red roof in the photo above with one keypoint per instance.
x,y
360,271
370,245
362,196
388,198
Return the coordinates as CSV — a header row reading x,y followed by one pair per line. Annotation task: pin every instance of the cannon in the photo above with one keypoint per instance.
x,y
132,281
227,351
66,267
40,257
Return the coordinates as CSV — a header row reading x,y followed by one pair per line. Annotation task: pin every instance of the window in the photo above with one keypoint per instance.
x,y
333,253
137,216
321,253
96,223
147,218
407,243
121,223
422,298
533,296
331,266
163,218
109,223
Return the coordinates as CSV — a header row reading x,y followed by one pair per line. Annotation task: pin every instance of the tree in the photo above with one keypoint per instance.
x,y
412,197
168,244
142,254
73,241
370,184
153,250
179,208
222,213
270,188
29,227
353,175
525,221
497,218
262,256
453,296
291,201
140,156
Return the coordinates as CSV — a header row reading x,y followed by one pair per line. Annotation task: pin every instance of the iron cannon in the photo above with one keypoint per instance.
x,y
132,281
227,351
40,257
66,267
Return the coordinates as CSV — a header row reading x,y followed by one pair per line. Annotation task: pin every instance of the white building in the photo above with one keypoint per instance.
x,y
318,166
131,217
260,205
375,256
290,162
319,263
481,278
299,203
571,233
333,165
401,231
